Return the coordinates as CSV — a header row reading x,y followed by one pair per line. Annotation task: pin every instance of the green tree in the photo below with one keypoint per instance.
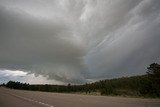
x,y
154,73
69,87
154,76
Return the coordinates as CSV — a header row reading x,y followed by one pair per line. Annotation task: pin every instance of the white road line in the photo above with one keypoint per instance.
x,y
31,100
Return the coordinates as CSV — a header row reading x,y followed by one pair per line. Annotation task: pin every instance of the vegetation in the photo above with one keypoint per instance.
x,y
146,85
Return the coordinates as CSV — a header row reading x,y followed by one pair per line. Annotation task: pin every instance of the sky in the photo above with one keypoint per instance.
x,y
77,41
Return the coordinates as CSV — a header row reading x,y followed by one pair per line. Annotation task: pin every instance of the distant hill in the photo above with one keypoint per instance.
x,y
145,85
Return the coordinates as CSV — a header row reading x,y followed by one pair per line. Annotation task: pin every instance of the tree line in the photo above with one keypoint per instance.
x,y
147,85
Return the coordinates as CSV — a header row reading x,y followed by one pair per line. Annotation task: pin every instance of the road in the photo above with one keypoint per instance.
x,y
20,98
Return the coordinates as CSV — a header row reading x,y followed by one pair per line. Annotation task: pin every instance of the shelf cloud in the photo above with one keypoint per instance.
x,y
75,41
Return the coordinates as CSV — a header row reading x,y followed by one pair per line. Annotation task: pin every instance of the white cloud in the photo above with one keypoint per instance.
x,y
12,73
15,75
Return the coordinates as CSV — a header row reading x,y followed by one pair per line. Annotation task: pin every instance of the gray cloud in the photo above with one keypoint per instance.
x,y
131,46
76,40
40,46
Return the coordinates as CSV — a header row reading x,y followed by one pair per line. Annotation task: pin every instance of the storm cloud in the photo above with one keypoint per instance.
x,y
74,41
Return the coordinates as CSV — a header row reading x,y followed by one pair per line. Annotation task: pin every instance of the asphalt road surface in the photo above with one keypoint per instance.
x,y
20,98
